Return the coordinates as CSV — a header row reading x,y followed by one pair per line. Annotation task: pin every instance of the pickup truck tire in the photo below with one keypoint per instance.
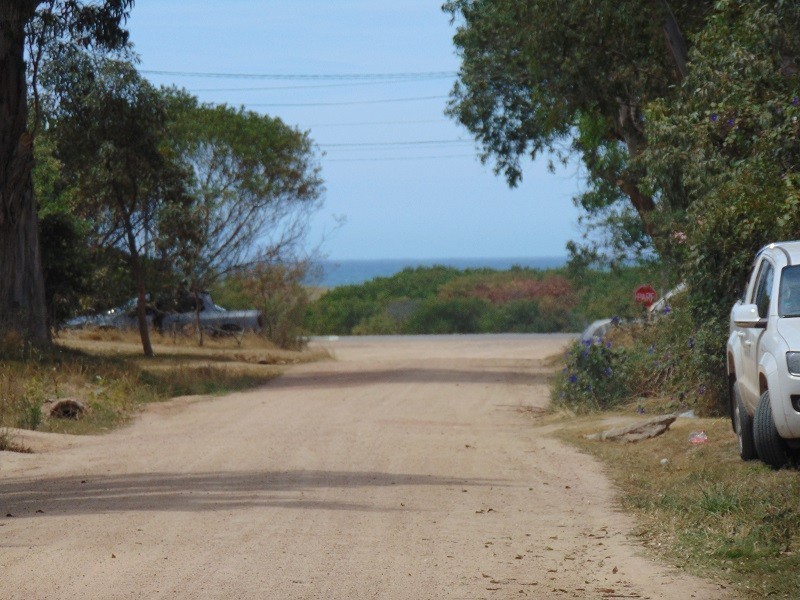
x,y
771,448
743,425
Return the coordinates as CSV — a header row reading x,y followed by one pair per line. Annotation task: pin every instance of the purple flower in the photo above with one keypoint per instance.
x,y
573,378
666,310
608,372
795,101
608,345
714,117
587,343
702,389
615,320
730,122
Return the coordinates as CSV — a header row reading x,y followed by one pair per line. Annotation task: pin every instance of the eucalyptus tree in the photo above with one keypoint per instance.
x,y
255,181
26,26
111,136
572,77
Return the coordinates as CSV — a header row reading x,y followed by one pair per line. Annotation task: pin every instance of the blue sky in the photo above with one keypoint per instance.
x,y
403,178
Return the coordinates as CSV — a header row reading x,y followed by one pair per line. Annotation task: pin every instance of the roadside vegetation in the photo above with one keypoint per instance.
x,y
702,508
437,300
106,372
659,362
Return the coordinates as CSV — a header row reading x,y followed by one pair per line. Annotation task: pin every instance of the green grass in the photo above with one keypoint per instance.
x,y
706,510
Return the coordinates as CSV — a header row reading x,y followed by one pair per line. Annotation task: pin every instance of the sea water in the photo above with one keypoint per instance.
x,y
348,272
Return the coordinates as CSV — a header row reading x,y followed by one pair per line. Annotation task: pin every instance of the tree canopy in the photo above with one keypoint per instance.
x,y
253,180
110,130
569,77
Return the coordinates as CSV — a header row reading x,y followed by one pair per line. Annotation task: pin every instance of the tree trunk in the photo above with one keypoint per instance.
x,y
631,131
197,323
137,269
141,305
22,298
676,43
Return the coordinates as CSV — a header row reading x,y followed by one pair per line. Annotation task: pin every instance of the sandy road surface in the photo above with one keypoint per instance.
x,y
408,468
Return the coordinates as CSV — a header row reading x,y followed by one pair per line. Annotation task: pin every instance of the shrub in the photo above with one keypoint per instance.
x,y
663,363
590,379
459,315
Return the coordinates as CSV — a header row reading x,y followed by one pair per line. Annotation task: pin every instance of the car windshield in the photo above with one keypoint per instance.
x,y
789,299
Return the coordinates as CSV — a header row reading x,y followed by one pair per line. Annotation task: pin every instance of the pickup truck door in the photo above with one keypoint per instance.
x,y
761,295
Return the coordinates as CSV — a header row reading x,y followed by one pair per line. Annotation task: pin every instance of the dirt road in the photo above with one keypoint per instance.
x,y
408,468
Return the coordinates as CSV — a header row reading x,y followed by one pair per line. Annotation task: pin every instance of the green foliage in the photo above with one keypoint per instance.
x,y
571,77
590,378
663,364
339,312
276,290
731,135
428,300
65,259
255,181
456,315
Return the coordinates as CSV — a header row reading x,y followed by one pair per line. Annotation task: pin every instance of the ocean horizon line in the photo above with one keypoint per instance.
x,y
337,271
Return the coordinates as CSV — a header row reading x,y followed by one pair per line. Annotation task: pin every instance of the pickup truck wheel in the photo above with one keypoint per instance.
x,y
771,448
743,425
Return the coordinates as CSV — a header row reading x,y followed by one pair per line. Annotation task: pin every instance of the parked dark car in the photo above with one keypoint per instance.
x,y
213,318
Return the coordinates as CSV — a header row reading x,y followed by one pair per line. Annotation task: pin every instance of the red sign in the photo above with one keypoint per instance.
x,y
645,294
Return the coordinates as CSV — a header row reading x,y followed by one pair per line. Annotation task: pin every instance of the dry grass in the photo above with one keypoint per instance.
x,y
704,509
107,371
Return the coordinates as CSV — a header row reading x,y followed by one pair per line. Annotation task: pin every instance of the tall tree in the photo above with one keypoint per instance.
x,y
255,182
733,133
570,76
111,138
22,299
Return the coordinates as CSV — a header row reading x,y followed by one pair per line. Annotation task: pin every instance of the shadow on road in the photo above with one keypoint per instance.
x,y
201,491
328,379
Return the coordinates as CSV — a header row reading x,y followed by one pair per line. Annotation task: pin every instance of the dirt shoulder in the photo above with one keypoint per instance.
x,y
409,468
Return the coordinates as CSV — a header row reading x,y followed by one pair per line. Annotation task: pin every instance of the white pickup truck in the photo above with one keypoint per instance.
x,y
764,358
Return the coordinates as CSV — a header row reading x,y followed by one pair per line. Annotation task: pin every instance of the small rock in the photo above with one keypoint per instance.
x,y
66,408
638,431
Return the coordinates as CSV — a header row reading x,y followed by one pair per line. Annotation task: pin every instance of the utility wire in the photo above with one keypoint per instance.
x,y
350,103
396,158
307,77
366,123
321,85
417,143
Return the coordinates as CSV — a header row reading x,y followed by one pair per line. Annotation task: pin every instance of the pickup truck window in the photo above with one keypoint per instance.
x,y
789,295
763,292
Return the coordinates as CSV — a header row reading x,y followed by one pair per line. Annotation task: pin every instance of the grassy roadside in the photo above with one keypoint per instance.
x,y
107,372
704,509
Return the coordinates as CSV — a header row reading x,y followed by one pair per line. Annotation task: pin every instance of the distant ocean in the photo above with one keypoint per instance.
x,y
347,272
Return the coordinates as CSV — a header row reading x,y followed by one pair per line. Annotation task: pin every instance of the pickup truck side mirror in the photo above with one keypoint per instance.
x,y
746,315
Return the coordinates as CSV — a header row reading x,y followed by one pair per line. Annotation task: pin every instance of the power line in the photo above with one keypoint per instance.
x,y
349,103
307,77
321,85
416,143
396,158
364,123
